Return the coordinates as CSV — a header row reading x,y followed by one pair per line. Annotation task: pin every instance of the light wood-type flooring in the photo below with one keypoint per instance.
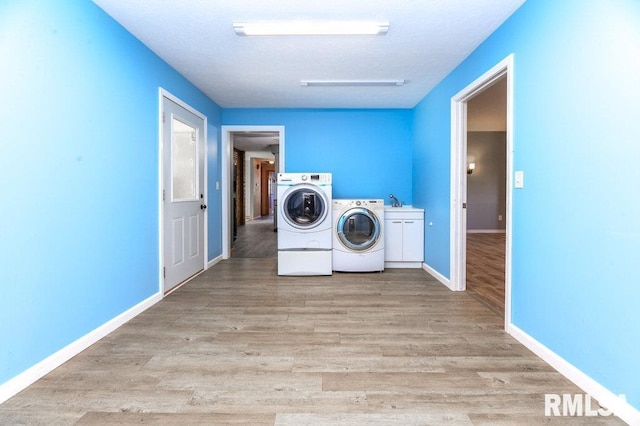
x,y
240,345
485,258
485,269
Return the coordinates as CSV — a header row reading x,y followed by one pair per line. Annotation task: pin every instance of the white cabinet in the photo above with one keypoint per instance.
x,y
404,237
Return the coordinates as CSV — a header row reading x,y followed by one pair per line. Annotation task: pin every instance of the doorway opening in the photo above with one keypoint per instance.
x,y
253,155
486,195
481,190
254,235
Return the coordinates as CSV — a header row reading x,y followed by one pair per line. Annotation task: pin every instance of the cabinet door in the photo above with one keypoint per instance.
x,y
413,240
393,240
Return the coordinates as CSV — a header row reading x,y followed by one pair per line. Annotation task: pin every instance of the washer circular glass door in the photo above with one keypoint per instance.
x,y
304,207
358,229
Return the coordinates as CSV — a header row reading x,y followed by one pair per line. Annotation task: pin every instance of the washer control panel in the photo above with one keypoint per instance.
x,y
311,178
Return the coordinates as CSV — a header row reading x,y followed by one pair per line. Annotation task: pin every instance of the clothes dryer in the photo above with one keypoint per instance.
x,y
304,223
358,240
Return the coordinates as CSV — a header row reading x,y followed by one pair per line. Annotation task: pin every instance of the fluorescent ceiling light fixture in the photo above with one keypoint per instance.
x,y
310,28
351,83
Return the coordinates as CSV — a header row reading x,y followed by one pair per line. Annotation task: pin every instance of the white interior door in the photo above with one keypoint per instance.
x,y
183,193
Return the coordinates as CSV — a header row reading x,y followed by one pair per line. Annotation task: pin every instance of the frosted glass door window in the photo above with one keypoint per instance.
x,y
184,161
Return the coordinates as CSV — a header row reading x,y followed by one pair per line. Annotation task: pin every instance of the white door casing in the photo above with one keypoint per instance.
x,y
504,68
227,170
183,191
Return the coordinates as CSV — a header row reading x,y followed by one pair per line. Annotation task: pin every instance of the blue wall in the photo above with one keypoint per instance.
x,y
368,151
79,173
576,233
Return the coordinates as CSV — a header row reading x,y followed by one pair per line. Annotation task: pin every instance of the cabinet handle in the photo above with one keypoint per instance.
x,y
408,221
396,221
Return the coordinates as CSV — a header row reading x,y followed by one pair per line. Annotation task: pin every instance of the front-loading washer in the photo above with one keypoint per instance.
x,y
358,240
304,223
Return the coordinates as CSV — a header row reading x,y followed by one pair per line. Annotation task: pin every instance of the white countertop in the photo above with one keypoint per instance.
x,y
402,209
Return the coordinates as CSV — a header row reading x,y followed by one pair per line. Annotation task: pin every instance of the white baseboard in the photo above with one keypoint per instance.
x,y
437,275
213,261
403,265
31,375
619,406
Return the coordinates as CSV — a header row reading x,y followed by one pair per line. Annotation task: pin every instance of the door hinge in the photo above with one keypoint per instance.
x,y
464,205
163,117
164,272
164,194
193,136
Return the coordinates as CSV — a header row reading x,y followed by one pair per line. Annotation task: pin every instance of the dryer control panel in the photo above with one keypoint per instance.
x,y
373,204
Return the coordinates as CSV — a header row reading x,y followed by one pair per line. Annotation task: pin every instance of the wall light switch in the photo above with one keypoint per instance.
x,y
519,179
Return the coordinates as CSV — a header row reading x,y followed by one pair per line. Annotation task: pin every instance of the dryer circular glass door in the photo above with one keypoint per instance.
x,y
358,229
304,206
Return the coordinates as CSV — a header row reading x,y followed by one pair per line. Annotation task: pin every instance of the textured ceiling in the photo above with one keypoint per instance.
x,y
426,40
255,141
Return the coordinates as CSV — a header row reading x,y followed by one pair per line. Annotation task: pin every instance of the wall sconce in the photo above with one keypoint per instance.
x,y
471,166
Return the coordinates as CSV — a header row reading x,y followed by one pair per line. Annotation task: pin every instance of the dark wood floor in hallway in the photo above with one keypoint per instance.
x,y
240,345
485,269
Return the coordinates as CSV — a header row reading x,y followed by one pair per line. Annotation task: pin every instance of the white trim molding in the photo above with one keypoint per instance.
x,y
614,403
214,261
226,155
39,370
437,275
403,265
504,69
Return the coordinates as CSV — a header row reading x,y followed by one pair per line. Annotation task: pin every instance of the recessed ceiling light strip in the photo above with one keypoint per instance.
x,y
351,83
310,28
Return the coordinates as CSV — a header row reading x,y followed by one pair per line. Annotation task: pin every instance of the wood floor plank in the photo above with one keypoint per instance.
x,y
401,382
172,419
257,381
280,401
492,419
371,419
288,338
236,363
367,364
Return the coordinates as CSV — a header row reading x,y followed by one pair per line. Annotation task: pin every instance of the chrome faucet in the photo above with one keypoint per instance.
x,y
396,203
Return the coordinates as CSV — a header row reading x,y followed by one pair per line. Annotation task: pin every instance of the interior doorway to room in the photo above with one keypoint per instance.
x,y
257,155
481,170
267,187
255,235
486,195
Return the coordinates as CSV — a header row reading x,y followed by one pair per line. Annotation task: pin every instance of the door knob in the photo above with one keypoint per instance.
x,y
203,206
